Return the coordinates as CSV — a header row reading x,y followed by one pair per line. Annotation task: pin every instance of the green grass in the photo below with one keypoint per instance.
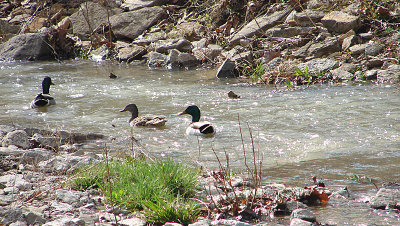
x,y
163,188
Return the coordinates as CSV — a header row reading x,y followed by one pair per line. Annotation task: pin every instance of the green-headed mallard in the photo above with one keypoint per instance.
x,y
44,98
147,120
197,127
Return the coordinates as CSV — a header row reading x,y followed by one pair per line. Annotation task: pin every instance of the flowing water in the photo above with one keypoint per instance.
x,y
332,132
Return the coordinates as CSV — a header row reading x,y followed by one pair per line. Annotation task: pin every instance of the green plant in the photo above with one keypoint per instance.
x,y
255,72
172,209
304,75
137,181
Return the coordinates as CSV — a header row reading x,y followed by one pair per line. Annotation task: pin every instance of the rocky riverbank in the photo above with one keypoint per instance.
x,y
294,43
37,166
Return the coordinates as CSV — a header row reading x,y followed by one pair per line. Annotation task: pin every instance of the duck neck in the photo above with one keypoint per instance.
x,y
46,88
134,115
196,117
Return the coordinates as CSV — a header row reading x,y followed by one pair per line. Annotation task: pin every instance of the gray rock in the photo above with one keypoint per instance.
x,y
303,214
66,221
358,49
7,28
371,74
131,53
155,59
293,205
70,197
172,224
206,54
132,222
66,163
18,138
340,74
100,53
229,222
287,32
257,26
10,215
320,49
51,142
4,129
30,46
92,13
200,223
319,65
34,219
150,37
300,222
15,180
373,49
387,198
132,5
130,25
163,46
308,17
340,22
178,59
227,70
390,75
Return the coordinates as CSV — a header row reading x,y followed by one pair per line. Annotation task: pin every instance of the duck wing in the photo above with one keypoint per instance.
x,y
42,100
205,128
149,120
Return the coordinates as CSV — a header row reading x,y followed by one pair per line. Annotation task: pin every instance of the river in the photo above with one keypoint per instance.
x,y
330,131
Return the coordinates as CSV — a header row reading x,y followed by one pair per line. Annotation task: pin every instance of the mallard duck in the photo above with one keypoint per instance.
x,y
197,127
44,98
147,120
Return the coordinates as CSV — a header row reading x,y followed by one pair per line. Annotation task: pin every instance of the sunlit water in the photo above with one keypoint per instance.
x,y
333,132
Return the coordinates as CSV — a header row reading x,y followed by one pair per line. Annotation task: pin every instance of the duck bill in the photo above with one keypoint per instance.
x,y
123,110
182,113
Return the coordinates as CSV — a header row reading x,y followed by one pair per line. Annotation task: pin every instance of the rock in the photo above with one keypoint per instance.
x,y
319,65
155,59
51,142
100,53
129,25
390,75
33,156
172,224
66,221
340,22
188,30
229,222
150,37
18,138
30,46
341,75
287,32
260,24
373,49
130,53
300,222
34,219
10,215
358,49
132,222
132,5
371,75
227,70
207,54
66,163
8,28
200,223
4,129
177,59
320,49
303,214
308,17
93,13
387,197
163,46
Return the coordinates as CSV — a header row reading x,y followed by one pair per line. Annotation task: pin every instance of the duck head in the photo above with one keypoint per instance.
x,y
132,108
192,110
46,85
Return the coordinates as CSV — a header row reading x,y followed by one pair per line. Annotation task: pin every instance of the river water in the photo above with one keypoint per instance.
x,y
330,131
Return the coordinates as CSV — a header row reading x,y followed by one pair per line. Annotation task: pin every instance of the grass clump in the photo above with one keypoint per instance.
x,y
161,188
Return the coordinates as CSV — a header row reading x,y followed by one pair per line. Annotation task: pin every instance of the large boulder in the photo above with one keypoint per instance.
x,y
30,46
130,25
18,138
89,17
259,25
340,22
